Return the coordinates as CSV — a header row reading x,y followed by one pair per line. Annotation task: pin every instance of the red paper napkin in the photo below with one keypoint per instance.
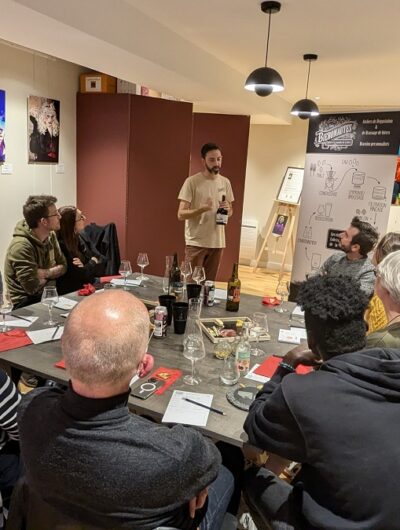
x,y
16,338
268,367
271,300
60,364
167,375
86,290
106,279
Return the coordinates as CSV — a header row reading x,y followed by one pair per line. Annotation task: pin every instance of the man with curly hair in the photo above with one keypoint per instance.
x,y
356,242
340,422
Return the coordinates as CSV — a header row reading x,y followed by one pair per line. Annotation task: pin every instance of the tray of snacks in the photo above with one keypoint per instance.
x,y
218,329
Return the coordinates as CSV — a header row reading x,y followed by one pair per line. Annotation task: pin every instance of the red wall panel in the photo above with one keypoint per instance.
x,y
231,133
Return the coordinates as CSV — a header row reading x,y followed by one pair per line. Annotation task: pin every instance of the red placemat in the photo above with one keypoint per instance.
x,y
16,338
60,364
167,375
106,279
268,367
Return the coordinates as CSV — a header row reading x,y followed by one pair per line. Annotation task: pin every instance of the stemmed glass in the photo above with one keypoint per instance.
x,y
186,270
193,349
6,307
142,261
199,274
282,290
260,327
125,270
50,298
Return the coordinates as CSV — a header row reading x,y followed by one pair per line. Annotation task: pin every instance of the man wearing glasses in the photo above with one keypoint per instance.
x,y
34,257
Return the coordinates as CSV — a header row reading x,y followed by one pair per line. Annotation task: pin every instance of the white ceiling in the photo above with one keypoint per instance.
x,y
203,50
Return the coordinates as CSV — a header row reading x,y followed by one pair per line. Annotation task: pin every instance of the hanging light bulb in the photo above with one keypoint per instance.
x,y
306,108
263,81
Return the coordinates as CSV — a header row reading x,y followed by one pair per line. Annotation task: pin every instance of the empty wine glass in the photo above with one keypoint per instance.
x,y
142,261
186,271
193,349
125,270
260,327
282,290
6,307
50,298
199,274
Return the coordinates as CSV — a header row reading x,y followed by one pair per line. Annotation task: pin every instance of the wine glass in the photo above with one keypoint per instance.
x,y
142,261
50,298
186,271
193,349
125,270
282,290
199,274
6,307
260,327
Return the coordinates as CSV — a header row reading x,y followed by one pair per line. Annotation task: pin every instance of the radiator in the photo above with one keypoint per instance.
x,y
248,241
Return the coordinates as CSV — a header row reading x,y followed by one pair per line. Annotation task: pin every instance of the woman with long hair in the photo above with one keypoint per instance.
x,y
83,261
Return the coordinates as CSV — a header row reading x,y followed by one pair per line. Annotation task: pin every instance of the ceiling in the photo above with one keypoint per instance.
x,y
202,51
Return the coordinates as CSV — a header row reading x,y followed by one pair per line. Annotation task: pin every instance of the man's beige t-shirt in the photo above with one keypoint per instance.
x,y
203,231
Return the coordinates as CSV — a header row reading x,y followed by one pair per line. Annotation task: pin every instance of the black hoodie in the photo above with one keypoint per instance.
x,y
342,423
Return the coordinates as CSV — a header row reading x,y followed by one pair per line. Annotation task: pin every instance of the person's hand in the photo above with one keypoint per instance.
x,y
208,205
77,262
43,275
197,502
224,204
302,355
93,258
146,365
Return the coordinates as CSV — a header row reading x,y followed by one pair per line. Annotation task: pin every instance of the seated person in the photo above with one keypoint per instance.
x,y
118,470
375,315
359,239
84,263
340,422
9,448
387,288
34,257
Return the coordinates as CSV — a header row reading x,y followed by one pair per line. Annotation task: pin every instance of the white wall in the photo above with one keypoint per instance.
x,y
22,74
272,148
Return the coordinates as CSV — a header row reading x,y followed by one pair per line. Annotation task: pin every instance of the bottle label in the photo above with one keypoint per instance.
x,y
221,218
243,365
177,290
234,294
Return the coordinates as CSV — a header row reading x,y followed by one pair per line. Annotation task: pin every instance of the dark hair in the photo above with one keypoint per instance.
x,y
389,243
37,207
67,234
208,147
367,236
334,309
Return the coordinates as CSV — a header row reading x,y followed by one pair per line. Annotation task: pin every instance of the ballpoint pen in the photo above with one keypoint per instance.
x,y
55,332
21,317
205,406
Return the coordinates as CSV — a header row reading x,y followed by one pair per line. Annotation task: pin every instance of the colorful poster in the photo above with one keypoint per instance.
x,y
349,168
43,129
2,125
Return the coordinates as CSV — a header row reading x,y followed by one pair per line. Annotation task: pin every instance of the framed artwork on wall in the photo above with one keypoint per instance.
x,y
2,125
43,129
292,184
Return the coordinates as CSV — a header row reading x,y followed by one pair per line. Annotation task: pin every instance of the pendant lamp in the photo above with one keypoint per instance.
x,y
263,81
306,108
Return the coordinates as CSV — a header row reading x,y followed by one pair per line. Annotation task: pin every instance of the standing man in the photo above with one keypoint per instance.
x,y
34,257
200,197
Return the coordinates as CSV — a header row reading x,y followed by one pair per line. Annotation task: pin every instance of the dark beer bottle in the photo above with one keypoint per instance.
x,y
175,279
233,294
222,214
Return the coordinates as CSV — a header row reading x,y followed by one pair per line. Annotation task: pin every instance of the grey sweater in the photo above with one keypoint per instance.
x,y
93,460
362,270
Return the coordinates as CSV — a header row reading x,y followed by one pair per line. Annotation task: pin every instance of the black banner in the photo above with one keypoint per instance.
x,y
376,133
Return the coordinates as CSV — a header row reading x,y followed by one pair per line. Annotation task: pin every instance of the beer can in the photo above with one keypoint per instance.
x,y
209,293
160,321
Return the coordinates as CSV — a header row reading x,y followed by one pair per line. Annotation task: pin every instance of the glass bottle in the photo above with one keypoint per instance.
x,y
243,351
233,294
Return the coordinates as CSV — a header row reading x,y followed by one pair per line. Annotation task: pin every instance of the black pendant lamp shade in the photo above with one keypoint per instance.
x,y
306,108
263,81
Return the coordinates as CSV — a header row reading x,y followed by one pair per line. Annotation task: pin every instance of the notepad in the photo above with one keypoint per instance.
x,y
181,411
292,335
45,335
131,283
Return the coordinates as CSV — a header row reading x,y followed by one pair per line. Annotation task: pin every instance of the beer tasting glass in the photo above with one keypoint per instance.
x,y
199,274
259,327
142,261
50,298
6,307
125,270
282,290
194,350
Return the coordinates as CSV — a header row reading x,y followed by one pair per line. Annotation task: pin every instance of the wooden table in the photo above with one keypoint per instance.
x,y
39,359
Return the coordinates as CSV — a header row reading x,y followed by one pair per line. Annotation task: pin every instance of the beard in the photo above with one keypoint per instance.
x,y
213,169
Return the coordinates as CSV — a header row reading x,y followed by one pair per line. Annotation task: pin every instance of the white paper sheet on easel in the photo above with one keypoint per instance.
x,y
181,411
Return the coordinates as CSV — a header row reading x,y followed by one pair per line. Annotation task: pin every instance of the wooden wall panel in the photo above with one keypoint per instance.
x,y
231,133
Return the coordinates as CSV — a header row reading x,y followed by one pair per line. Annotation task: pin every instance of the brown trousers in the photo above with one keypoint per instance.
x,y
209,258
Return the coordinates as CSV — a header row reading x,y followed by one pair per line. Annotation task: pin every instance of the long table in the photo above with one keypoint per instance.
x,y
40,359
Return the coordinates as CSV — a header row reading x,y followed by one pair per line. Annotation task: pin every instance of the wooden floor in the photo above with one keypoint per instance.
x,y
260,283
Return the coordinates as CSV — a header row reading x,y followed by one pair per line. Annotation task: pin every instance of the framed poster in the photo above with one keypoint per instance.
x,y
292,184
43,129
2,125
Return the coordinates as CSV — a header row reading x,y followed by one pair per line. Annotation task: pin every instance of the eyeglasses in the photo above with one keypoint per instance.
x,y
53,215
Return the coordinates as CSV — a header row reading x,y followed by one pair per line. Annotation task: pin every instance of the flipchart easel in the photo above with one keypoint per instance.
x,y
280,208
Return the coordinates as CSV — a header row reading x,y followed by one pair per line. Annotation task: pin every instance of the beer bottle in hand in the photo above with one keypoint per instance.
x,y
222,214
233,294
175,280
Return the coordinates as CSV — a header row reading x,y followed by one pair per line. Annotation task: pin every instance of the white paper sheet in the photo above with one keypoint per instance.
x,y
292,335
220,294
16,322
298,312
255,377
132,283
181,411
45,335
65,303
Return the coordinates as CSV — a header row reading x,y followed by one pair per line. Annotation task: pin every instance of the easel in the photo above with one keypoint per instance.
x,y
280,208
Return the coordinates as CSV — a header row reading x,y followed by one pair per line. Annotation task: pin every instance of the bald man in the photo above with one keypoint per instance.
x,y
87,458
